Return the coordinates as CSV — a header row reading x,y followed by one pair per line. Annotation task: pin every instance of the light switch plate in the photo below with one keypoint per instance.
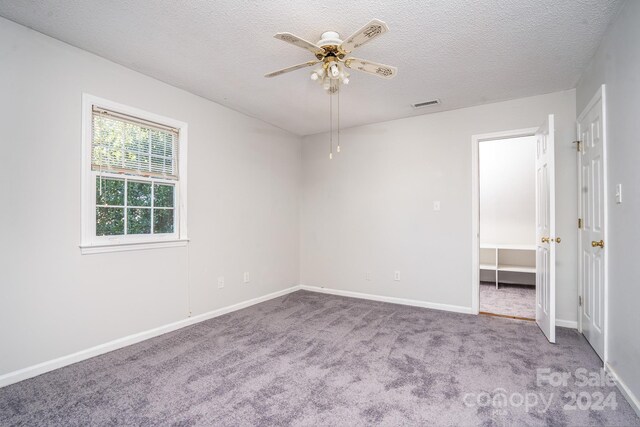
x,y
246,277
436,205
220,282
396,276
619,193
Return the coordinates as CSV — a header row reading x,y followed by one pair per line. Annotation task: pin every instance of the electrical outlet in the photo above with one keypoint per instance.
x,y
436,205
367,276
246,277
220,282
396,276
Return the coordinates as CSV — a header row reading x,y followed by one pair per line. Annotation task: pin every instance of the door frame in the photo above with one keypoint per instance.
x,y
599,95
475,203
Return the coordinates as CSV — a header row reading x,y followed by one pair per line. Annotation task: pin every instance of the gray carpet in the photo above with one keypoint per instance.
x,y
316,359
509,300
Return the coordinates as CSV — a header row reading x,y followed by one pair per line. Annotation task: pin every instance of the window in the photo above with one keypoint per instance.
x,y
134,183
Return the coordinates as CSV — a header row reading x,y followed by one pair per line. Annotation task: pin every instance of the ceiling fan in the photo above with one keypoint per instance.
x,y
332,54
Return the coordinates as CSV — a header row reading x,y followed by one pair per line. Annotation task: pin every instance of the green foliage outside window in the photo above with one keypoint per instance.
x,y
163,195
138,221
138,193
109,221
109,192
147,211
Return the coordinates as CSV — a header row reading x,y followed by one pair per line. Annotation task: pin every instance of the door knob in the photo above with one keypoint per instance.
x,y
551,240
599,244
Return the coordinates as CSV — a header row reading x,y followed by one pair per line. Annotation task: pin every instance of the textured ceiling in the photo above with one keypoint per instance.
x,y
465,52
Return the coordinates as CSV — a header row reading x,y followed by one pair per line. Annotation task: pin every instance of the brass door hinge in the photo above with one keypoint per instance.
x,y
578,145
580,223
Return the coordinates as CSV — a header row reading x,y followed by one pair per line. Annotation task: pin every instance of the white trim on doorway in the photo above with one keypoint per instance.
x,y
475,205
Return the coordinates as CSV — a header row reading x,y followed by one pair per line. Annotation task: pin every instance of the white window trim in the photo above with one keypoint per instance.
x,y
90,243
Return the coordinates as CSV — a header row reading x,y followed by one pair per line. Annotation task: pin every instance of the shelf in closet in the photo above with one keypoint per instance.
x,y
517,258
517,268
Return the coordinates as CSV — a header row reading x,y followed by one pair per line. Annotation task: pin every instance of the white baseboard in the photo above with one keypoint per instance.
x,y
416,303
624,389
394,300
41,368
573,324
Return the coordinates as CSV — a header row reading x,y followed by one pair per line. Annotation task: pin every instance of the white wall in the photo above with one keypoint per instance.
x,y
243,213
617,64
507,169
371,208
368,210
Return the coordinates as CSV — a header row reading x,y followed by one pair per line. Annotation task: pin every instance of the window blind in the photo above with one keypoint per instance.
x,y
128,145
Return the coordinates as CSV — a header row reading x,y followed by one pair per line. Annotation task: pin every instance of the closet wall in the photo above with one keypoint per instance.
x,y
507,191
507,208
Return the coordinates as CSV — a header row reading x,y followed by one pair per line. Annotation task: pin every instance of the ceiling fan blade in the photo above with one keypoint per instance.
x,y
365,34
380,70
297,41
292,68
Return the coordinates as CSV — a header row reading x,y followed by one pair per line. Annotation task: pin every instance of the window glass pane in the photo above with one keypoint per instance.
x,y
136,138
121,146
163,221
107,141
106,131
109,157
111,192
135,161
163,195
109,221
157,143
138,193
138,221
168,145
157,164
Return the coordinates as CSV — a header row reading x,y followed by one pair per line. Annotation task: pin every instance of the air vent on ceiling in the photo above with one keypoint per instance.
x,y
426,103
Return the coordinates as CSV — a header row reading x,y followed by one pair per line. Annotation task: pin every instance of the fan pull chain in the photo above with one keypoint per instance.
x,y
338,105
330,126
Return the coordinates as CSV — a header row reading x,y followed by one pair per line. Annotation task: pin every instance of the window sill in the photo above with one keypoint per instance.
x,y
138,246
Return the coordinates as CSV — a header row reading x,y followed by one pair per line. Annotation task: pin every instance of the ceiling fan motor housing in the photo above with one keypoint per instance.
x,y
329,38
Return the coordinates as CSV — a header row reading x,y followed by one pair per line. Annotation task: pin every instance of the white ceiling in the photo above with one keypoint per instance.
x,y
465,52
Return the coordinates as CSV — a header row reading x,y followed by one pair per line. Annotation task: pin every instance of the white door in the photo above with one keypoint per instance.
x,y
592,214
545,230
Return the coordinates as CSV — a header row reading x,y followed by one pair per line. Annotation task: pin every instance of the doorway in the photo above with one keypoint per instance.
x,y
507,171
510,255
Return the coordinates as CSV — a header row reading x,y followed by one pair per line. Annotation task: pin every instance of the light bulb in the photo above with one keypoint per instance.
x,y
320,72
338,149
345,80
330,156
314,76
335,71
